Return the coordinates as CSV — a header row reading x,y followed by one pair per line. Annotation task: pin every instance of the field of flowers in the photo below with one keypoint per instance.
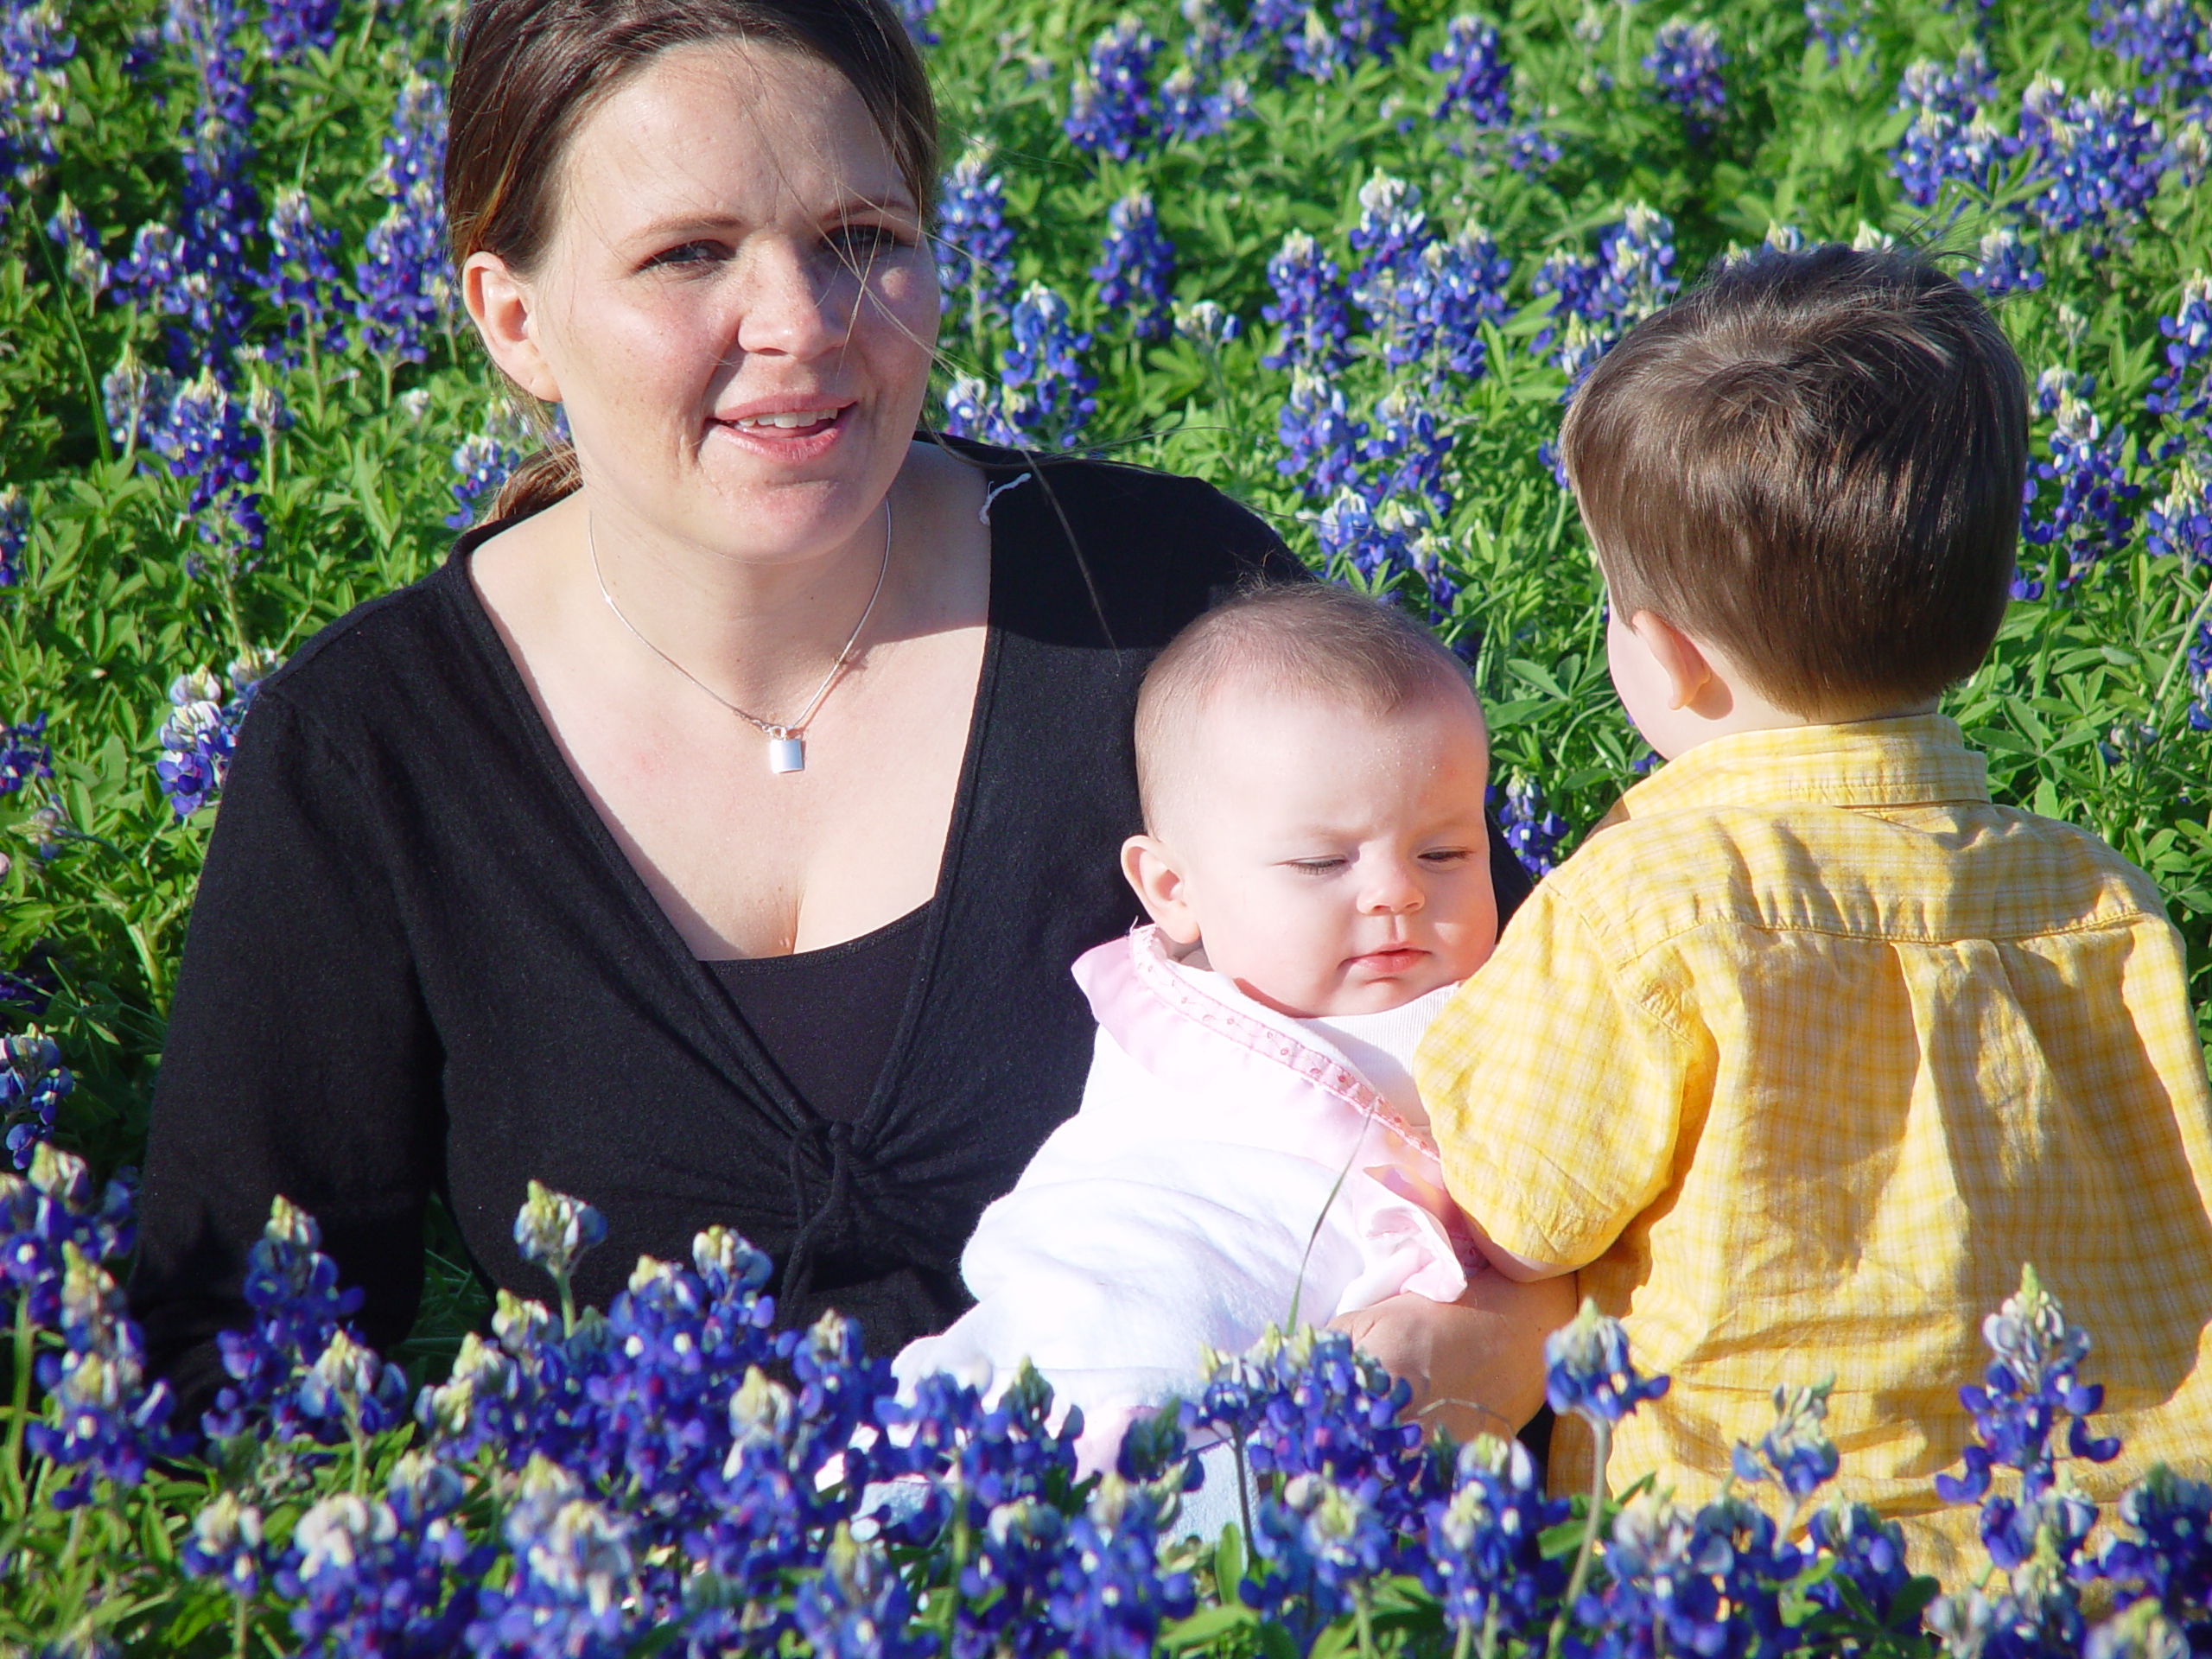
x,y
1344,260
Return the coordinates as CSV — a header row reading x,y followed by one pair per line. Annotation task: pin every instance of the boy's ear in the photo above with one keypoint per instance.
x,y
1691,681
1151,870
501,305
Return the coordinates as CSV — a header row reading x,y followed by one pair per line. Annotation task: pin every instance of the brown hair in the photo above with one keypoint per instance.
x,y
1814,463
528,73
1287,637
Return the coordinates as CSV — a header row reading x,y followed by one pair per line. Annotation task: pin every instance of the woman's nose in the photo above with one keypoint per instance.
x,y
794,305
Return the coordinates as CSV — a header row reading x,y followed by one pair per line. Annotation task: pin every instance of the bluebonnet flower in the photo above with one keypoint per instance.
x,y
402,279
1318,43
1477,80
2181,524
1394,283
55,1204
857,1607
1308,308
1868,1556
291,1289
1598,299
1135,264
2198,662
1950,137
301,278
1684,63
226,1544
135,399
1046,392
81,260
1836,25
971,410
2166,41
483,463
1111,106
1466,286
1375,542
552,1230
198,284
2183,392
14,533
573,1570
394,1574
1485,1560
1796,1452
1689,1581
1204,324
1407,450
292,26
2090,517
102,1420
25,755
200,731
1531,149
204,437
915,14
2165,1556
2142,1632
975,249
33,1081
1191,110
1586,1369
2099,155
2032,1384
34,53
2003,264
1321,1543
1532,831
1320,440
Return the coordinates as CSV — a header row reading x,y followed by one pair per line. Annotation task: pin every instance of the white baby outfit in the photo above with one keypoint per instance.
x,y
1228,1164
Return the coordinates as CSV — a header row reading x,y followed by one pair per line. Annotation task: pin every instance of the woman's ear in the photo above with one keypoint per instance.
x,y
1151,870
503,307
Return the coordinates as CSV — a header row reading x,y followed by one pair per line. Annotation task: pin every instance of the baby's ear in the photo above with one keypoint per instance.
x,y
1152,870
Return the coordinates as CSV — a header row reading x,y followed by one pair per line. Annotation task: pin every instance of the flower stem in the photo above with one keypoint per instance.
x,y
1602,1434
19,1406
238,1625
1489,1649
1365,1625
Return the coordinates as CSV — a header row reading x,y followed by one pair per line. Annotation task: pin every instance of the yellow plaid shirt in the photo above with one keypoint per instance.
x,y
1798,1060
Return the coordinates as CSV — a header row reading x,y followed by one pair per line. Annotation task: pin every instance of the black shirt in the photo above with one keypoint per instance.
x,y
826,1018
419,962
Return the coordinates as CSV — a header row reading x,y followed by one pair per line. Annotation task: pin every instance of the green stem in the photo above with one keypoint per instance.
x,y
1603,1435
1462,1644
19,1406
1489,1649
76,339
1364,1625
238,1626
2181,655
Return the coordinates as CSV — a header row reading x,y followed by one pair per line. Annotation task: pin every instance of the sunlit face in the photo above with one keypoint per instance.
x,y
1332,862
736,308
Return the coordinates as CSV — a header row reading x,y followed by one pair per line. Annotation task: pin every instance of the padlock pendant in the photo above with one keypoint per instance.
x,y
786,753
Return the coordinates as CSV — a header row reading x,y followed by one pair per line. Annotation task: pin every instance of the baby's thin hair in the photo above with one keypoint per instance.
x,y
1284,636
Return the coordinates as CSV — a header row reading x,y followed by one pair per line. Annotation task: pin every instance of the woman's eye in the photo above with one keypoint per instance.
x,y
860,243
685,253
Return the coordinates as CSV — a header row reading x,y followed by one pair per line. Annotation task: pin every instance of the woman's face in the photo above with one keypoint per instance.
x,y
736,308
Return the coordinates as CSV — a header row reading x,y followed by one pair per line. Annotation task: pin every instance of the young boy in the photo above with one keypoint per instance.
x,y
1811,1046
1250,1146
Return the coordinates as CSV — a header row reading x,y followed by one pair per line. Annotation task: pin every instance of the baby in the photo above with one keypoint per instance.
x,y
1251,1148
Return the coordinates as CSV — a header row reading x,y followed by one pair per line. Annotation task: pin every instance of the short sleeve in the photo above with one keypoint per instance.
x,y
300,1059
1557,1089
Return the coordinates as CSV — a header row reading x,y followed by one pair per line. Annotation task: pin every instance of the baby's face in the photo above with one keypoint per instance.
x,y
1331,862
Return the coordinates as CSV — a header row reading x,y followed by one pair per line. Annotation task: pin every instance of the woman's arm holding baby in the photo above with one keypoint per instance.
x,y
1477,1365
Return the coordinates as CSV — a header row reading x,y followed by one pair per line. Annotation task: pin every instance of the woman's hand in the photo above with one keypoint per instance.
x,y
1476,1365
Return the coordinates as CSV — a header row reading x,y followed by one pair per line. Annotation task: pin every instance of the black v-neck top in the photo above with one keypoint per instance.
x,y
419,962
826,1019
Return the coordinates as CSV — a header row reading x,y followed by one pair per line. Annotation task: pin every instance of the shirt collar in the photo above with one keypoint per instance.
x,y
1910,761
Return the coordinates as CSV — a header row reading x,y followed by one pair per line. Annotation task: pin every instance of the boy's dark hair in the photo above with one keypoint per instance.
x,y
1286,637
1814,463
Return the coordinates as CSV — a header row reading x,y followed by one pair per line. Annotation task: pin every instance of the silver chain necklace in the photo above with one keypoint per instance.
x,y
787,741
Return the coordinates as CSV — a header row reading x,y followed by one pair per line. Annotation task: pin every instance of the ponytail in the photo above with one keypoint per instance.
x,y
547,476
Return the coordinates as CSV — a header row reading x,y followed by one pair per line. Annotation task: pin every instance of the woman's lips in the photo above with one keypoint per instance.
x,y
804,443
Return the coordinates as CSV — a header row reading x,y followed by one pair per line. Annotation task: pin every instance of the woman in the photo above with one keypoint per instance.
x,y
710,835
